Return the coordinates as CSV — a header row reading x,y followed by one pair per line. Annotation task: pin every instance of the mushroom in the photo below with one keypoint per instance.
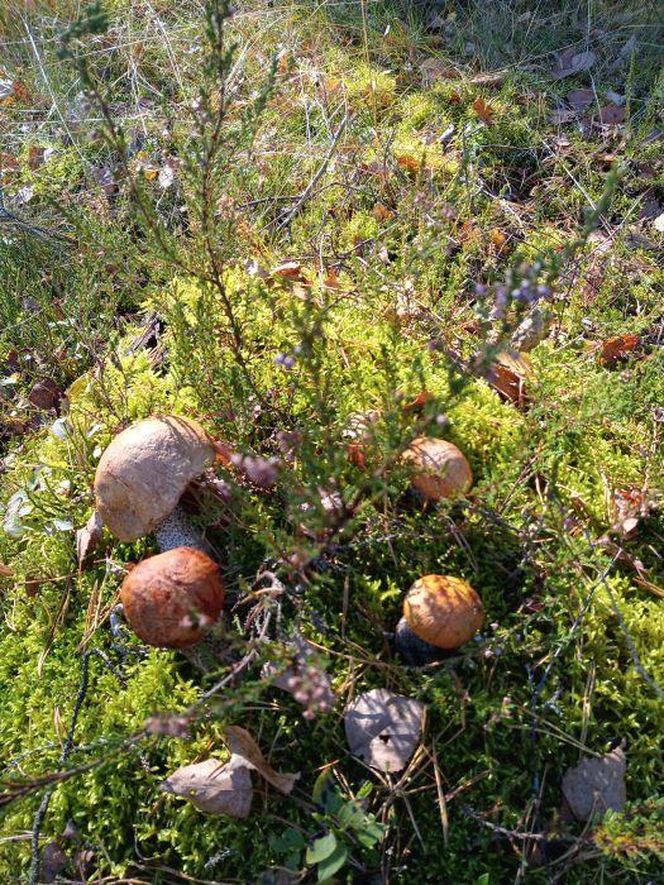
x,y
142,475
439,612
440,469
173,599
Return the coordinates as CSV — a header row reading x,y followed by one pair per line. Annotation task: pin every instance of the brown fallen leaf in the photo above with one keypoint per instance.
x,y
507,375
596,785
416,405
381,213
5,571
435,69
213,786
615,349
610,115
570,63
409,163
242,744
580,99
384,728
483,110
562,115
87,538
44,395
288,270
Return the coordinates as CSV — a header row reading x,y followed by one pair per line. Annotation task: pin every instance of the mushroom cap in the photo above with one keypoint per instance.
x,y
444,611
440,468
173,599
144,471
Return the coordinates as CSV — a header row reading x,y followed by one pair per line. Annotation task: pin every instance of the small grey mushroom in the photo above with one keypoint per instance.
x,y
143,474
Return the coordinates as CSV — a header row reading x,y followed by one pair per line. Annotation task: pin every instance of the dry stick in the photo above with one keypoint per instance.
x,y
66,750
317,177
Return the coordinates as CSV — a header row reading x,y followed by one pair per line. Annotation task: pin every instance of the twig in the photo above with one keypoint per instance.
x,y
317,177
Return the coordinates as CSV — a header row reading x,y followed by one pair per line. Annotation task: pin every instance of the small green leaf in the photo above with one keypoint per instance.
x,y
321,848
321,786
483,879
333,863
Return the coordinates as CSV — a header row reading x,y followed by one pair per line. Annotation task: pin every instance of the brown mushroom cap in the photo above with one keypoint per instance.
x,y
173,599
443,611
144,471
440,468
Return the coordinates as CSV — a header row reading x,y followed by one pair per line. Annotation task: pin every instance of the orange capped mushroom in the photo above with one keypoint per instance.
x,y
173,599
440,469
443,611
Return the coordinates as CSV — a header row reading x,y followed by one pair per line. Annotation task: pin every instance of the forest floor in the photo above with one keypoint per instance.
x,y
324,230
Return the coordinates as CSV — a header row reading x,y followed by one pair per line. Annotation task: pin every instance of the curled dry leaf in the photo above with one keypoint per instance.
x,y
483,110
241,744
383,728
507,375
213,786
5,571
288,270
615,349
629,507
87,538
596,785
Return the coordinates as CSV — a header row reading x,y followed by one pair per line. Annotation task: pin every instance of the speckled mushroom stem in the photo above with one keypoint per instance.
x,y
177,531
414,651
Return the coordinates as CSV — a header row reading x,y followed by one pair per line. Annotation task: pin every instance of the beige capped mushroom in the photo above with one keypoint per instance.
x,y
144,472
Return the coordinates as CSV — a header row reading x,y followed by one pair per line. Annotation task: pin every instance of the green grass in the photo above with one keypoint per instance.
x,y
574,632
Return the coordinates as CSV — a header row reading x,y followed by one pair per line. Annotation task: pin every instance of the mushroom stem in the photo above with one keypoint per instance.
x,y
176,530
416,652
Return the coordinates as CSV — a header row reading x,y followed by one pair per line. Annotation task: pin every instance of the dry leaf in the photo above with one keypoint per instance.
x,y
241,744
629,507
88,538
5,571
483,110
288,270
562,115
580,99
611,115
596,785
570,63
435,69
381,213
213,786
53,860
383,728
507,375
498,238
615,349
409,163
